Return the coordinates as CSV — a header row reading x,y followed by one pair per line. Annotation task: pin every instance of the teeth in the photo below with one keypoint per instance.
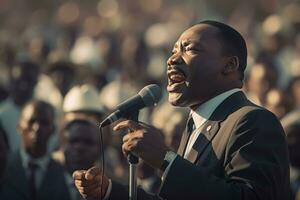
x,y
177,78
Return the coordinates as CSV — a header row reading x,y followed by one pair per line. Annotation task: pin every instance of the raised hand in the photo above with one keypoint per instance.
x,y
88,183
143,140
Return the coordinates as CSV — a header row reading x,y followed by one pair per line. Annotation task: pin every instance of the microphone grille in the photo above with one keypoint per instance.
x,y
151,94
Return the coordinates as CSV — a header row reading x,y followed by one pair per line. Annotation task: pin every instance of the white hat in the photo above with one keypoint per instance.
x,y
83,98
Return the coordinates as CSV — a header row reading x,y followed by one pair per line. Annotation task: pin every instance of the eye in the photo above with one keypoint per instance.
x,y
192,49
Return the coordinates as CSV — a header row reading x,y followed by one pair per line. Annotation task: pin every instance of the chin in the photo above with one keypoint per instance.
x,y
178,99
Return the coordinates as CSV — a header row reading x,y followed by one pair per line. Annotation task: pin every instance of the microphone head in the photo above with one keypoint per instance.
x,y
151,94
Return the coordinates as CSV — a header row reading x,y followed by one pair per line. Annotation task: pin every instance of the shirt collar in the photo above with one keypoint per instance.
x,y
41,162
205,110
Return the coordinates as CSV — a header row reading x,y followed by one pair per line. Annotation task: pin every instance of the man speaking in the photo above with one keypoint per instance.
x,y
231,149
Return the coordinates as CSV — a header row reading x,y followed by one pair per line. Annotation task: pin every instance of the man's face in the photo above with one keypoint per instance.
x,y
36,126
195,66
23,83
81,146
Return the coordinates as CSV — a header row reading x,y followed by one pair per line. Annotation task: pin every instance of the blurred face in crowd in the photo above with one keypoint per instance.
x,y
195,68
24,79
257,82
276,102
295,92
36,125
81,145
261,79
63,76
293,141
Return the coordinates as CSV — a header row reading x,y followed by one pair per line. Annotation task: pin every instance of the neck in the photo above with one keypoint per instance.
x,y
214,94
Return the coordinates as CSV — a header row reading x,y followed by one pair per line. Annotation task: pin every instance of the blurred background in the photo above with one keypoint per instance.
x,y
85,57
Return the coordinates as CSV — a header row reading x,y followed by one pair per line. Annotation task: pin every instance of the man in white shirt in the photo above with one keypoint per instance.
x,y
232,149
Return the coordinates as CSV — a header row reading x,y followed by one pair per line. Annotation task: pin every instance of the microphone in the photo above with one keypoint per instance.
x,y
147,97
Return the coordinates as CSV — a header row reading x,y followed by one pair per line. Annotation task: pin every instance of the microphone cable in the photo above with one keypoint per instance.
x,y
102,165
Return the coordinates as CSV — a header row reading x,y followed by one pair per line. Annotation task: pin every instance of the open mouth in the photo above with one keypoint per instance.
x,y
176,76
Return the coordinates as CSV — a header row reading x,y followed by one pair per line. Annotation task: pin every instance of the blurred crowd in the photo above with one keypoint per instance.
x,y
65,65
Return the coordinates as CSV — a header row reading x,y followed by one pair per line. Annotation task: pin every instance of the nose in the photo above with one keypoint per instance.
x,y
79,147
35,126
175,59
34,130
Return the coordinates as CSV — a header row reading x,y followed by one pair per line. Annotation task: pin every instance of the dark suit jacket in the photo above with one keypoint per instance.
x,y
15,185
241,154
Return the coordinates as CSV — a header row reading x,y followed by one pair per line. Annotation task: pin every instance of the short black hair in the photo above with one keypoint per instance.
x,y
233,43
39,105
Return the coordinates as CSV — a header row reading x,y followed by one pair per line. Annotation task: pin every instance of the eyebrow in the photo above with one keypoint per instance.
x,y
187,42
191,41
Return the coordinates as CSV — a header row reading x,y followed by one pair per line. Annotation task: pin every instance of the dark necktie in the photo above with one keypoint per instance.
x,y
32,167
190,127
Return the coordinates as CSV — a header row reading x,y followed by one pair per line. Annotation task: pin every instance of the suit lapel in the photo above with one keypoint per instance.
x,y
207,133
211,127
183,143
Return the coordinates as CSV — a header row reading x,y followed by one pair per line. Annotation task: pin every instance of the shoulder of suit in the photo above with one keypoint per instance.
x,y
253,112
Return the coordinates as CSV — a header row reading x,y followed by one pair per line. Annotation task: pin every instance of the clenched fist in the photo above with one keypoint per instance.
x,y
88,183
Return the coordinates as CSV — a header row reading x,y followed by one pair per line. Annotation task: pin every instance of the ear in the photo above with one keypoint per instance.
x,y
231,66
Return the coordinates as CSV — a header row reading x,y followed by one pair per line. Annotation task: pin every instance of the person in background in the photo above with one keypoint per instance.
x,y
83,102
293,90
62,73
81,148
277,102
31,172
291,125
23,78
262,77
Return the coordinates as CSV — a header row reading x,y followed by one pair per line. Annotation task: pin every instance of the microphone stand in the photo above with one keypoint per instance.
x,y
133,161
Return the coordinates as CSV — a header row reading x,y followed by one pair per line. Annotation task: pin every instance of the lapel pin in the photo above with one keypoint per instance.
x,y
208,128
